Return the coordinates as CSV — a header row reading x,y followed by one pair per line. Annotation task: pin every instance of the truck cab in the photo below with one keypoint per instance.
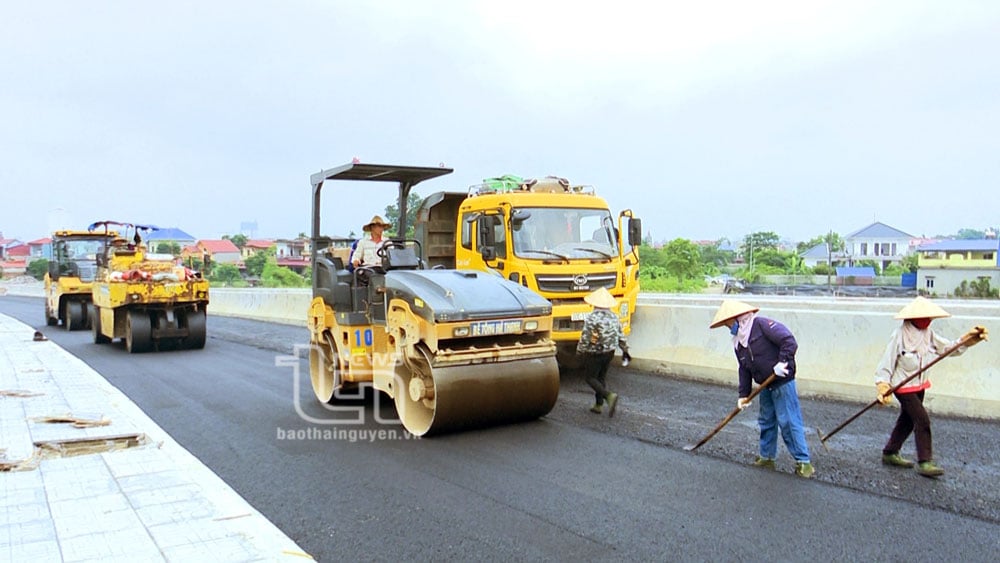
x,y
560,240
71,274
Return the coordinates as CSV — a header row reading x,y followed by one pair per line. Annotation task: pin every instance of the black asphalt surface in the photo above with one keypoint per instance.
x,y
570,486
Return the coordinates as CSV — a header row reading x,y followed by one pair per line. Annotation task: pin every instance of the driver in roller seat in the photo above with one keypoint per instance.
x,y
365,256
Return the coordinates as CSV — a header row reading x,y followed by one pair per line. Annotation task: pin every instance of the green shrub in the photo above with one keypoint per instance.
x,y
38,268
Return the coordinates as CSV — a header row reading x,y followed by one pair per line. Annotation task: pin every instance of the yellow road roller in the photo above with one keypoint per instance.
x,y
71,274
455,349
146,299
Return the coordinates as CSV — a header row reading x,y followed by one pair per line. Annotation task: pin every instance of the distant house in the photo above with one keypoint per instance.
x,y
253,246
170,235
218,251
297,264
6,243
13,268
291,248
855,275
880,243
15,260
821,254
40,248
943,266
18,252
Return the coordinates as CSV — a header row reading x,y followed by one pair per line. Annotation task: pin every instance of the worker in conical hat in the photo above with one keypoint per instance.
x,y
912,345
366,253
601,335
764,346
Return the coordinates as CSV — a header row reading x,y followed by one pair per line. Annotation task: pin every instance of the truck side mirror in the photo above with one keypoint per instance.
x,y
53,269
519,216
634,231
487,240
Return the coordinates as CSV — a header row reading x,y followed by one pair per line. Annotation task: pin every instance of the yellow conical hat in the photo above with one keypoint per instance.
x,y
922,308
601,298
729,309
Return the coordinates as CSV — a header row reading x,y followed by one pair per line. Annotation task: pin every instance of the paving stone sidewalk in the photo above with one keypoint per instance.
x,y
85,475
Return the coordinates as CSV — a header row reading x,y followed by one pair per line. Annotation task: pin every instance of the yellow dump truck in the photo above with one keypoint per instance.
x,y
71,273
453,348
146,299
548,235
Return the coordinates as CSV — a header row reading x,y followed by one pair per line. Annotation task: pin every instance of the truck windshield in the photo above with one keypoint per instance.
x,y
564,233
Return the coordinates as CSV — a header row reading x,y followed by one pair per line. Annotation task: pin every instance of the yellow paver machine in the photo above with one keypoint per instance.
x,y
454,348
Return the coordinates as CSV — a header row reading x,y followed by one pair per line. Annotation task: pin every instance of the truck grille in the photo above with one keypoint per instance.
x,y
567,283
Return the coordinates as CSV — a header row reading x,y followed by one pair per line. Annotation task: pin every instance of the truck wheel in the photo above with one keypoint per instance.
x,y
195,339
75,316
95,326
138,332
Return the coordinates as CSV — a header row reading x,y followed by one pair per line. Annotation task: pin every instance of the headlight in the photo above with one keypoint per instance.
x,y
460,331
531,325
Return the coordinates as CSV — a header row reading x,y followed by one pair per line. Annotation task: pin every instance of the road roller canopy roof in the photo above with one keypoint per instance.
x,y
409,175
405,176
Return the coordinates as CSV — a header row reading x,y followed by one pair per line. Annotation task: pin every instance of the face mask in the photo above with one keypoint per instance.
x,y
921,323
735,328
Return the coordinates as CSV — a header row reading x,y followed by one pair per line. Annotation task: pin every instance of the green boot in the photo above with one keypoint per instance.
x,y
804,469
896,460
612,403
764,462
596,409
928,469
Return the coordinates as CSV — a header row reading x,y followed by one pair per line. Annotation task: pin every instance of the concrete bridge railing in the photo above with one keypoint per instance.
x,y
840,341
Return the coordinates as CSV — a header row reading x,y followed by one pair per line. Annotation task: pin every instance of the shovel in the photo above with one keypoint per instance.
x,y
730,416
979,335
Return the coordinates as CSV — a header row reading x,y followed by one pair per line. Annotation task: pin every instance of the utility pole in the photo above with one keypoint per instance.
x,y
829,260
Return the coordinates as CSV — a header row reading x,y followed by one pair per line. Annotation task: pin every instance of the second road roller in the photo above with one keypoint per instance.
x,y
455,349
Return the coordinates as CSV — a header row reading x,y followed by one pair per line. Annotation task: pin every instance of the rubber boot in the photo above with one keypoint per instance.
x,y
612,403
929,469
596,409
896,460
765,462
804,469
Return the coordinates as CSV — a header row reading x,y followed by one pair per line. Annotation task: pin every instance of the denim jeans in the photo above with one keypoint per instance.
x,y
779,409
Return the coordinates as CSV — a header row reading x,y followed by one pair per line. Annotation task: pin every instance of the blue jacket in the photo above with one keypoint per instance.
x,y
770,342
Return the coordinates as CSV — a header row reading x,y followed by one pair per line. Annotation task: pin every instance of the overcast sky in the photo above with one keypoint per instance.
x,y
708,119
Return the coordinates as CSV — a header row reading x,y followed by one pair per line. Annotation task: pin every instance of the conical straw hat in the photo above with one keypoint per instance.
x,y
376,220
601,298
730,309
922,308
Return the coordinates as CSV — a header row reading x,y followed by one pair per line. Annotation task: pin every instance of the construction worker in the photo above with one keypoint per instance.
x,y
913,344
366,253
601,335
764,346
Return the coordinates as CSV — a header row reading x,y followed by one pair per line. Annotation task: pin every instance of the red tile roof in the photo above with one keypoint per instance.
x,y
217,246
19,250
40,241
259,243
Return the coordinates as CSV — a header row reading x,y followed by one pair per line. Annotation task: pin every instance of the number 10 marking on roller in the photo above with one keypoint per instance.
x,y
368,337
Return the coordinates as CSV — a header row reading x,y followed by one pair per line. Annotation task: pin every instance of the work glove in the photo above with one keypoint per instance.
x,y
626,358
742,403
882,393
781,369
976,335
